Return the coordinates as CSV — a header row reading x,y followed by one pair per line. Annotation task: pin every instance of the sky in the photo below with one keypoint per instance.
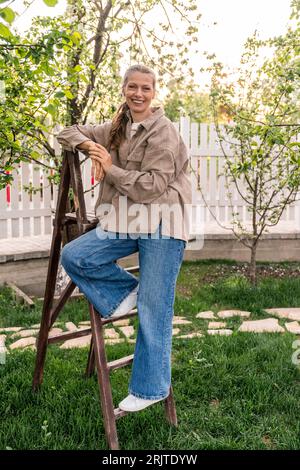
x,y
238,19
224,25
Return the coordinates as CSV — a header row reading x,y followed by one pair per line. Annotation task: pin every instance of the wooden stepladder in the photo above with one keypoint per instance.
x,y
71,177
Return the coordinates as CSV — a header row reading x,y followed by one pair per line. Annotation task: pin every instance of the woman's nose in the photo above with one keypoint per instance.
x,y
138,92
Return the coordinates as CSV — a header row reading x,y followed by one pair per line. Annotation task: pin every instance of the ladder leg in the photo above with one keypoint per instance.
x,y
170,409
42,340
104,380
90,368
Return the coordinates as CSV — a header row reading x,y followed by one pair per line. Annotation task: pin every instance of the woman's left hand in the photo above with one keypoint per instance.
x,y
101,155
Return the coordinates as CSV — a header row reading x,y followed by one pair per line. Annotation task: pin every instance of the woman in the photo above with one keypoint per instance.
x,y
143,162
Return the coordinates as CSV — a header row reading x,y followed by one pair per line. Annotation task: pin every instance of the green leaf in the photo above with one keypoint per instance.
x,y
8,14
51,109
69,94
294,144
4,31
35,154
76,36
59,94
51,3
77,68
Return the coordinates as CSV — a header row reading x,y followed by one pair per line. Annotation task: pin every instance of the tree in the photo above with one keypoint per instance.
x,y
68,68
8,15
184,98
261,151
18,92
33,91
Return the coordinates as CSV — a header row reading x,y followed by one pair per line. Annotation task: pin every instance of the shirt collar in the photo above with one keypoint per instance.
x,y
157,112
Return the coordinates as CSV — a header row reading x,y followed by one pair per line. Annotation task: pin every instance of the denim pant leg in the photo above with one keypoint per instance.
x,y
89,261
160,261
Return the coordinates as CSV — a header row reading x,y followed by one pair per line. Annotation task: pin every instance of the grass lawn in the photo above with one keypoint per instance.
x,y
232,392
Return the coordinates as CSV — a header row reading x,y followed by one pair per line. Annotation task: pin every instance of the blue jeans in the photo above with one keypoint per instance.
x,y
90,259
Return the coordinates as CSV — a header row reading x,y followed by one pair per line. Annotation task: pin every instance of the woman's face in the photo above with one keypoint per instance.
x,y
139,92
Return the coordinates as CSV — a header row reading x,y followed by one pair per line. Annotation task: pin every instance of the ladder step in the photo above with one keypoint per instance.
x,y
118,363
87,331
132,313
90,217
69,335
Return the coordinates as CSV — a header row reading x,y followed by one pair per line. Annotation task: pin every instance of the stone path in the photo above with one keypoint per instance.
x,y
122,330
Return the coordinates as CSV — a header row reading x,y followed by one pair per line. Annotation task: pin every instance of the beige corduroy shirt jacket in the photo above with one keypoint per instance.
x,y
149,180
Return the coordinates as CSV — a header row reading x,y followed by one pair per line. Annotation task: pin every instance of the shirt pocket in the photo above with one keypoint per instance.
x,y
135,158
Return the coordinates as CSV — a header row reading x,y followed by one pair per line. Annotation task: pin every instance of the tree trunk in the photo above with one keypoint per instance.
x,y
252,267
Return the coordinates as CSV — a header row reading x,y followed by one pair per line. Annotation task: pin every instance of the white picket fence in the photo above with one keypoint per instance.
x,y
31,215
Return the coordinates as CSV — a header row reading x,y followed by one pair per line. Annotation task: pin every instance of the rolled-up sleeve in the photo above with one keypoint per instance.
x,y
75,135
158,168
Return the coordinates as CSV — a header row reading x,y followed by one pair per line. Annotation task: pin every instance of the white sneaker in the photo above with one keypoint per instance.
x,y
127,304
132,403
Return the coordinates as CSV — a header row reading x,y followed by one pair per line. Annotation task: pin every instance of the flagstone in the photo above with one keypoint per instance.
x,y
10,328
111,333
220,332
175,331
233,313
127,330
122,322
191,335
24,333
84,322
54,332
289,313
81,342
293,327
38,325
214,325
268,325
180,321
71,326
113,341
206,315
32,347
23,342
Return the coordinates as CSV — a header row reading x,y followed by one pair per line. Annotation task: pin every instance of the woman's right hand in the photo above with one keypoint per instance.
x,y
97,170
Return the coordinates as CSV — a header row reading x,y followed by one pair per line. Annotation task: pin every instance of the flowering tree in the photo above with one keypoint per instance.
x,y
262,158
66,69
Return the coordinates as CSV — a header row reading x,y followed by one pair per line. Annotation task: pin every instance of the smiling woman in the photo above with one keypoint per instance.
x,y
143,160
139,91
